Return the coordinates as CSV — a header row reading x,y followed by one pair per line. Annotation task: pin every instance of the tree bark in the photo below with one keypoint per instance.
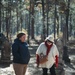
x,y
44,31
67,17
47,4
0,19
55,12
32,19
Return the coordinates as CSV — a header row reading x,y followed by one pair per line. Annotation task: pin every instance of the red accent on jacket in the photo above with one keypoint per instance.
x,y
56,61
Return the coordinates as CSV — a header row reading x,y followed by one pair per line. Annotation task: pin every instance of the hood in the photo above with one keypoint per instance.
x,y
17,40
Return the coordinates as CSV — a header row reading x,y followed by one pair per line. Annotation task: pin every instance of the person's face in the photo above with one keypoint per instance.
x,y
23,38
49,42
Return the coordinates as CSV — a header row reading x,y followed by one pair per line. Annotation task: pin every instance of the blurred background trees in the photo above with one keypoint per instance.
x,y
38,18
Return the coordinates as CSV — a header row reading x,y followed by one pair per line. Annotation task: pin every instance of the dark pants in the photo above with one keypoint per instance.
x,y
52,70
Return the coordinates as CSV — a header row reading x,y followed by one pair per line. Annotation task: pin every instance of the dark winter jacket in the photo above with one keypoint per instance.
x,y
20,52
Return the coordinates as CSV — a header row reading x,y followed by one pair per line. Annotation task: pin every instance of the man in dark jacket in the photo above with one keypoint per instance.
x,y
21,55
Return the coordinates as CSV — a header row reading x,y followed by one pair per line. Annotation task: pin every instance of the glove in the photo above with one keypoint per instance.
x,y
56,61
37,60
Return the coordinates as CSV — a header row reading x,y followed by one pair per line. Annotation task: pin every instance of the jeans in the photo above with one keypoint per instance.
x,y
52,70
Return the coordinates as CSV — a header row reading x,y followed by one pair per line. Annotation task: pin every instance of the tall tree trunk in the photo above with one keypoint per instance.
x,y
29,22
7,28
67,17
17,19
10,25
65,28
57,26
55,14
70,24
0,15
47,4
61,23
3,25
32,19
44,31
21,15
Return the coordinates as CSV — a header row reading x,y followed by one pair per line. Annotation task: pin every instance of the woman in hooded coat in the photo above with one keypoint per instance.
x,y
48,48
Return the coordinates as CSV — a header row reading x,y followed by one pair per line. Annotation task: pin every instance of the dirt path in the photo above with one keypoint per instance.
x,y
68,69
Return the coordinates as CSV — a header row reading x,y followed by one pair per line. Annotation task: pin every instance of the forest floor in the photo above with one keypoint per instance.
x,y
67,68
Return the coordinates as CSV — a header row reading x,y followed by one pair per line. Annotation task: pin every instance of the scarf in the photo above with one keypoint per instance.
x,y
48,47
